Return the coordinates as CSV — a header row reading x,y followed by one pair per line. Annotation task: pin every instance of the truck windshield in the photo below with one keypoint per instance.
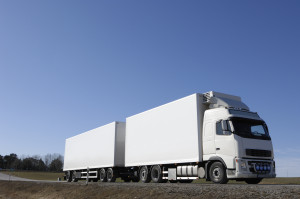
x,y
248,128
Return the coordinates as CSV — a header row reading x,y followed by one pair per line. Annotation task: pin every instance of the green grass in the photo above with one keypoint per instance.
x,y
35,175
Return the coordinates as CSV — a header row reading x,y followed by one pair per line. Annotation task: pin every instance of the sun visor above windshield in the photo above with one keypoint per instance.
x,y
222,100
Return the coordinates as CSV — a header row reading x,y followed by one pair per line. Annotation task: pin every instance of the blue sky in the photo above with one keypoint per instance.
x,y
70,66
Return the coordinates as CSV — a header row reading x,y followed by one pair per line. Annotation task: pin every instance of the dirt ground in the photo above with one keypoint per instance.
x,y
59,190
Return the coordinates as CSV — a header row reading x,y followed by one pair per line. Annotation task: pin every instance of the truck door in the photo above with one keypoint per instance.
x,y
224,143
209,139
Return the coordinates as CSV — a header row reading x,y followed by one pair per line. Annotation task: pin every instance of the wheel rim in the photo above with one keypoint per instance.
x,y
102,175
109,175
217,173
144,174
73,176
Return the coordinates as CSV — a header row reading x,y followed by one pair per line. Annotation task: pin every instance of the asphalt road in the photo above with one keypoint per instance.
x,y
6,177
12,178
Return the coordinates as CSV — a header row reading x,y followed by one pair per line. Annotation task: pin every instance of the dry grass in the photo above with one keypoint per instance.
x,y
295,180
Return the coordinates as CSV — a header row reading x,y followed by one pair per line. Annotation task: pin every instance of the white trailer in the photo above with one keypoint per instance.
x,y
102,147
212,135
168,134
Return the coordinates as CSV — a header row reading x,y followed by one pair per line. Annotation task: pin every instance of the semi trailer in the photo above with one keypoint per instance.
x,y
212,135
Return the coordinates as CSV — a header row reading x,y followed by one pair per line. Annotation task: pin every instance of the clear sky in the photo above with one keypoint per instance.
x,y
70,66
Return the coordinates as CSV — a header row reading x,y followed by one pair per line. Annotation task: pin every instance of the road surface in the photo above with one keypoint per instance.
x,y
12,178
37,189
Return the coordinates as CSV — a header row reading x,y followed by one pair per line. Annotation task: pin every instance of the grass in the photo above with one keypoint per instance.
x,y
36,175
292,180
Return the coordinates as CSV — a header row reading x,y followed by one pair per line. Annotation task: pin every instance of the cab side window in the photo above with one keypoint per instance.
x,y
219,128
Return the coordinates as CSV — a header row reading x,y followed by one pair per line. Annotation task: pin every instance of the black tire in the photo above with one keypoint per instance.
x,y
156,174
95,180
74,179
217,173
145,175
253,180
68,177
185,181
111,177
102,175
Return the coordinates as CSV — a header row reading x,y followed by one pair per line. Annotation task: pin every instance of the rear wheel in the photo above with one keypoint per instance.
x,y
217,173
74,179
156,174
110,175
253,180
145,175
102,175
68,176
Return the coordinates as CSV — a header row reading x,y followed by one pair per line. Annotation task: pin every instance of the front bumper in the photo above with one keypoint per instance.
x,y
246,168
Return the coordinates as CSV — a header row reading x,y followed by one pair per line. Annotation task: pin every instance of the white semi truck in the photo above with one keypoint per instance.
x,y
212,135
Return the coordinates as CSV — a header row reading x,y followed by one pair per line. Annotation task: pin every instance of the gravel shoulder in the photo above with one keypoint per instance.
x,y
140,190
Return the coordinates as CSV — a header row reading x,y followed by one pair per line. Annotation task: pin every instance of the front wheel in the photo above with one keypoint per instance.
x,y
253,180
217,173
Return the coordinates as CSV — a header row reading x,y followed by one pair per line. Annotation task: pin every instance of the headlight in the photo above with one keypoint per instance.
x,y
243,165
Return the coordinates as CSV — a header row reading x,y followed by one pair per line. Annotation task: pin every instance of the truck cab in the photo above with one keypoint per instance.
x,y
237,138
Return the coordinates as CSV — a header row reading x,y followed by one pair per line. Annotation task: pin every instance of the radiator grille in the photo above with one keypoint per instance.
x,y
258,153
